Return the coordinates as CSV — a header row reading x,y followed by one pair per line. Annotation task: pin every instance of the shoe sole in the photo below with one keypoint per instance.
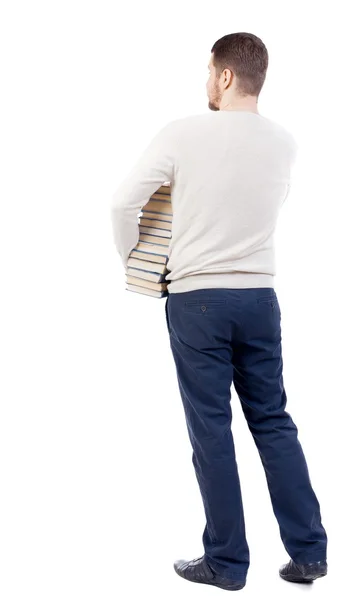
x,y
307,579
231,588
222,587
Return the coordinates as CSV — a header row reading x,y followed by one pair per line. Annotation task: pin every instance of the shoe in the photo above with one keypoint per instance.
x,y
199,571
303,573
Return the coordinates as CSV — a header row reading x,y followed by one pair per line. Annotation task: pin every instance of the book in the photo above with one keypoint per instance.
x,y
147,262
153,239
144,290
164,189
147,284
145,275
152,254
163,227
162,197
158,216
146,265
160,207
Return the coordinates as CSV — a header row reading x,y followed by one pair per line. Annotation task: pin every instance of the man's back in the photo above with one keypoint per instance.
x,y
232,171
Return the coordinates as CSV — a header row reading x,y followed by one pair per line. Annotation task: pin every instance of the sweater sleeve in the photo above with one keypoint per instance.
x,y
294,153
154,168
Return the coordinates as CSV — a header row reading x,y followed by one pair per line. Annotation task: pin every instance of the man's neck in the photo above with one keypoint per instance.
x,y
249,107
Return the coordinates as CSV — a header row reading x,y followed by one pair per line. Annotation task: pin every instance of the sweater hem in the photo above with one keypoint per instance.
x,y
221,280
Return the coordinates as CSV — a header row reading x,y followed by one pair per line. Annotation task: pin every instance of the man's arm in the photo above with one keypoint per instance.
x,y
292,165
154,168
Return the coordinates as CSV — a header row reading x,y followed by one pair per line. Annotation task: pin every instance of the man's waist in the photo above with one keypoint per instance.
x,y
233,280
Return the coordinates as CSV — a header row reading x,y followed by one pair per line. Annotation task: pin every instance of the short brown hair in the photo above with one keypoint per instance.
x,y
246,56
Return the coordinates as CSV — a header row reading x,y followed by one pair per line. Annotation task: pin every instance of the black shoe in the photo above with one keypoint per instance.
x,y
199,571
303,573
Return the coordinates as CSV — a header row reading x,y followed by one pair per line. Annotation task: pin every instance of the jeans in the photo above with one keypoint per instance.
x,y
219,336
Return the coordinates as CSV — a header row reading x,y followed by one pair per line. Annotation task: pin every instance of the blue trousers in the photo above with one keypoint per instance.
x,y
219,336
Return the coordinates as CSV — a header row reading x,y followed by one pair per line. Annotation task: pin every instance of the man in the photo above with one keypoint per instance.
x,y
230,171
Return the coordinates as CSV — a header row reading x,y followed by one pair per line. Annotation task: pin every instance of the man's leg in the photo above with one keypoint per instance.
x,y
258,381
199,330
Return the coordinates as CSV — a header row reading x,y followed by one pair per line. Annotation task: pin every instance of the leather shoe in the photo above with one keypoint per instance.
x,y
199,571
306,573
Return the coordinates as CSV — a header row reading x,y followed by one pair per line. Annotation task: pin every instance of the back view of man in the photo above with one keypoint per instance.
x,y
230,171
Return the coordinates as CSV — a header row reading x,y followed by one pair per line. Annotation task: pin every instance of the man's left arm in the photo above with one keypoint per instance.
x,y
153,169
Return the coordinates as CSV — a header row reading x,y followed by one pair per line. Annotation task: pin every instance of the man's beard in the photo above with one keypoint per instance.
x,y
214,105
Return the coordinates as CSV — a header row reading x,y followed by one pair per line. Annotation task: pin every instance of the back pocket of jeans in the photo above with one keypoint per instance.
x,y
203,306
269,298
272,300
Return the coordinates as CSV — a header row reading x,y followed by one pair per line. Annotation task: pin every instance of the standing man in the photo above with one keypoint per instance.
x,y
230,171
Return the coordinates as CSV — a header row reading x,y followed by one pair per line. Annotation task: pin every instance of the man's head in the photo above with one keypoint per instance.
x,y
237,66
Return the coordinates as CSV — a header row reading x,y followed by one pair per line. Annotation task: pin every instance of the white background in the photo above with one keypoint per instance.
x,y
98,492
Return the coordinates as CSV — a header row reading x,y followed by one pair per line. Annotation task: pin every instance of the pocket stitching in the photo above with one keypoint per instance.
x,y
266,299
205,302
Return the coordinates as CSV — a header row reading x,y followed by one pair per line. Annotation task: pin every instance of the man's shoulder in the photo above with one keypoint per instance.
x,y
290,141
207,117
195,122
286,133
188,121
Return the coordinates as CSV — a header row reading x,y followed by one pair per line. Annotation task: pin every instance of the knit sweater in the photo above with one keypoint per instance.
x,y
230,172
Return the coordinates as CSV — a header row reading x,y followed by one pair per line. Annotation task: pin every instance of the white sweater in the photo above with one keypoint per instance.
x,y
230,172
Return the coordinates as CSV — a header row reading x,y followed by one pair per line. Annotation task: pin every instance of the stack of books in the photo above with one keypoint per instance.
x,y
147,262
